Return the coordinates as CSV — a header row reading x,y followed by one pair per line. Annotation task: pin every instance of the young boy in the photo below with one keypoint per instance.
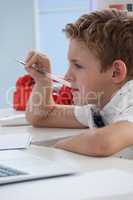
x,y
100,71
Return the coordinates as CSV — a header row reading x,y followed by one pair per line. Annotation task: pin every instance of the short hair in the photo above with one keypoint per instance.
x,y
108,34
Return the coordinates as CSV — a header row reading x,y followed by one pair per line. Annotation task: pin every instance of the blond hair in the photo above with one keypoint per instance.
x,y
108,34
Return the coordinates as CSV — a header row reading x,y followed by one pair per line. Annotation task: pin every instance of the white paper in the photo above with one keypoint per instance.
x,y
14,120
14,141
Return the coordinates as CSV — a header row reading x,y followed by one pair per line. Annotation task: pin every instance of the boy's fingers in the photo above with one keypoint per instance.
x,y
34,73
60,144
32,60
41,60
29,56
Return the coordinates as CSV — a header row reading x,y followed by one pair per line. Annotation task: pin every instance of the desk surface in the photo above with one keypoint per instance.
x,y
57,188
61,188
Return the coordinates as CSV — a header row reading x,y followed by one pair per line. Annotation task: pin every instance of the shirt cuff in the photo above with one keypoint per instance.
x,y
84,115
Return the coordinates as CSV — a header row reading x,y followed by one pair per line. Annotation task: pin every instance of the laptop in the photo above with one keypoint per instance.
x,y
17,166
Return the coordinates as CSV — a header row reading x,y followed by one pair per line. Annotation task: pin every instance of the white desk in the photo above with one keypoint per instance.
x,y
57,188
61,188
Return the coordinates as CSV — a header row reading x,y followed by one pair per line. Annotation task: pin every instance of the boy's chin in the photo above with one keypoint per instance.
x,y
77,101
82,102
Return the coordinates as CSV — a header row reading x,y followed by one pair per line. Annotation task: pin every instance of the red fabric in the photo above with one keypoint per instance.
x,y
20,97
25,80
23,90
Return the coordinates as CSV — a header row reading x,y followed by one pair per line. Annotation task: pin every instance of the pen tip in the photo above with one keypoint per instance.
x,y
21,62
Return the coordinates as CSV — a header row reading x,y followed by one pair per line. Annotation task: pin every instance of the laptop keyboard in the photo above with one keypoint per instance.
x,y
7,171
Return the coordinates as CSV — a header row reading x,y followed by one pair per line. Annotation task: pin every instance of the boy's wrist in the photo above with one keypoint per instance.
x,y
44,83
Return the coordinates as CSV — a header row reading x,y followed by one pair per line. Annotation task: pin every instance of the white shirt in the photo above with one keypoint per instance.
x,y
119,108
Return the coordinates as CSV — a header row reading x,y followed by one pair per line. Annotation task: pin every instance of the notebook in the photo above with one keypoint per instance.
x,y
14,120
15,141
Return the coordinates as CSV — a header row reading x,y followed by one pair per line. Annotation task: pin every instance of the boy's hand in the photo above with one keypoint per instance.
x,y
42,62
77,144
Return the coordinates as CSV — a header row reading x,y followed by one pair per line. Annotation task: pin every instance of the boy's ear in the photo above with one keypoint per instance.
x,y
119,71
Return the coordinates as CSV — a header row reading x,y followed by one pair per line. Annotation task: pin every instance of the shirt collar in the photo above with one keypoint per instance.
x,y
120,100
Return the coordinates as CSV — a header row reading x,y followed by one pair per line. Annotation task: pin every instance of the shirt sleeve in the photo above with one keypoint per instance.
x,y
84,115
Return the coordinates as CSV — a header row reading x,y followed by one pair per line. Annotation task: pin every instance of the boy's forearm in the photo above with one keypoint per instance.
x,y
88,143
102,141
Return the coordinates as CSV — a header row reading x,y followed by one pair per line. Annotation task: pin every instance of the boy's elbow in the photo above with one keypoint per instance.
x,y
33,120
104,146
104,150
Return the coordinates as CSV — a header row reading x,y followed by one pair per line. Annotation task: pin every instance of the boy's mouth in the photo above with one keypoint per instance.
x,y
75,89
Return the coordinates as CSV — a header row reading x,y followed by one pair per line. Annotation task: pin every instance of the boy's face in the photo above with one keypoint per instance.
x,y
85,76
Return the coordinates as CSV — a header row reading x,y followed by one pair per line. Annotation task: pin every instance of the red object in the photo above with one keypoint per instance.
x,y
65,94
117,6
20,98
22,93
25,80
23,90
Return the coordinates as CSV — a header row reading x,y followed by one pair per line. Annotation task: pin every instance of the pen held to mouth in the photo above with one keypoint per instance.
x,y
48,75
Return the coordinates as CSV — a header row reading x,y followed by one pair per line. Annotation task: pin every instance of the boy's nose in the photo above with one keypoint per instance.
x,y
69,77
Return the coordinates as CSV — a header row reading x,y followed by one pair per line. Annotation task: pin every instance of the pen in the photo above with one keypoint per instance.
x,y
49,75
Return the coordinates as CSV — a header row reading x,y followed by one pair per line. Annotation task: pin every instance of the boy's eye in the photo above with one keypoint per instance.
x,y
78,66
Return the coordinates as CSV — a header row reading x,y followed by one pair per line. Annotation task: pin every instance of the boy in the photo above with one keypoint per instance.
x,y
101,72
